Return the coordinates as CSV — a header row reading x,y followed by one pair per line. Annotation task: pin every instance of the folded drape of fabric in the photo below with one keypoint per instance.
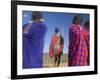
x,y
54,41
33,42
78,52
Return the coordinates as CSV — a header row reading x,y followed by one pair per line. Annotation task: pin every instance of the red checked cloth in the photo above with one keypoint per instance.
x,y
87,39
78,52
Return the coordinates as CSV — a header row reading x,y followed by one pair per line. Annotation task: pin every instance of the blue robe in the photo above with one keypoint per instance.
x,y
33,42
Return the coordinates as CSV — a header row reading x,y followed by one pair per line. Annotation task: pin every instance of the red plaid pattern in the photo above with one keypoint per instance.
x,y
87,39
78,52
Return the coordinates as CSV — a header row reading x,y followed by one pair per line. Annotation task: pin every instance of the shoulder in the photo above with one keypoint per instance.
x,y
55,35
25,25
39,25
85,31
76,31
43,24
75,28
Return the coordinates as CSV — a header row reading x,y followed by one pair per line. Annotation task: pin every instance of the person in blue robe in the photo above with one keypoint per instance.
x,y
33,41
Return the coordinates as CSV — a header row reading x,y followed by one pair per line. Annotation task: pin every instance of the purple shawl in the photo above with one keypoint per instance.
x,y
33,42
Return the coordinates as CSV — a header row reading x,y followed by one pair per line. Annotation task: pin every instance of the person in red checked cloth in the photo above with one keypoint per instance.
x,y
87,39
56,47
78,53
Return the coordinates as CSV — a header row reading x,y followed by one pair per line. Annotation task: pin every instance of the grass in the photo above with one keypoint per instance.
x,y
48,62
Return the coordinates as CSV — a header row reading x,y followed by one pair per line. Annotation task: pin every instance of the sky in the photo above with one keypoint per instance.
x,y
52,20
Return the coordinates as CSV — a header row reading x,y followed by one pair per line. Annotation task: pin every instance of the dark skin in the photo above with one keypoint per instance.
x,y
77,19
57,59
36,15
86,25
